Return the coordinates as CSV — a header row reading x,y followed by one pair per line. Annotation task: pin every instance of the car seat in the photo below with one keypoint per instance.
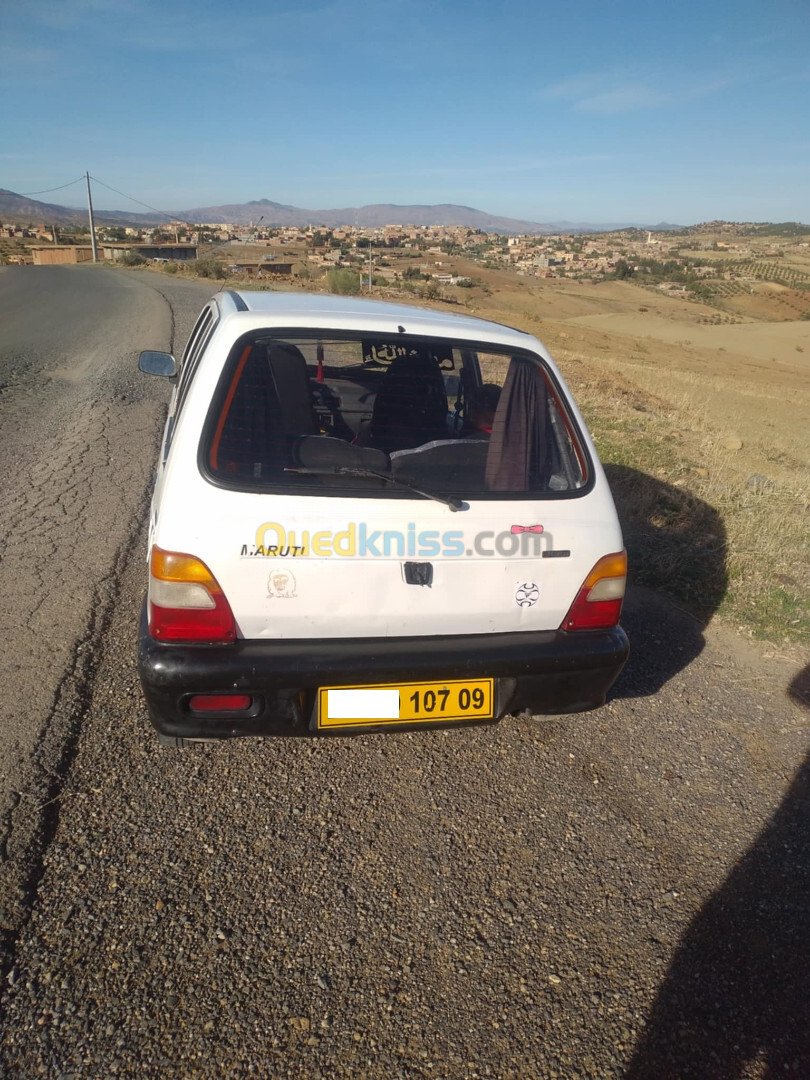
x,y
271,406
410,407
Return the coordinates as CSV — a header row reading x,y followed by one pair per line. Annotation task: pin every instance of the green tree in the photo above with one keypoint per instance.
x,y
623,270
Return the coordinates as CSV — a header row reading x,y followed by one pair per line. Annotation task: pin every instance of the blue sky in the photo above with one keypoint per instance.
x,y
595,111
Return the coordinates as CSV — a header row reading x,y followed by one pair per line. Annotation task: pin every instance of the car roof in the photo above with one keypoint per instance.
x,y
348,312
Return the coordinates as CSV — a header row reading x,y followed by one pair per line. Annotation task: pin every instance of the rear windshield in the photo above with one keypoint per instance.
x,y
338,415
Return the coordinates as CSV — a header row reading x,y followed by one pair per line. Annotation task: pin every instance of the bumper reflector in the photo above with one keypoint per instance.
x,y
220,702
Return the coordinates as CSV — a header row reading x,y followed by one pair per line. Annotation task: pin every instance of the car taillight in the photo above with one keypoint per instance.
x,y
599,602
186,603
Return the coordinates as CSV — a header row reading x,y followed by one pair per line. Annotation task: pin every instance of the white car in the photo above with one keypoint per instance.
x,y
371,516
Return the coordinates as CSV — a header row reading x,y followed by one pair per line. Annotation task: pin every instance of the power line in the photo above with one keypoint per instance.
x,y
123,194
138,201
46,190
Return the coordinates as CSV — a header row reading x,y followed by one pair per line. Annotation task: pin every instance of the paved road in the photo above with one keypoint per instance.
x,y
621,894
78,429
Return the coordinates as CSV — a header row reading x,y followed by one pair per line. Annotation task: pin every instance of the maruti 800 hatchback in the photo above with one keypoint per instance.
x,y
369,516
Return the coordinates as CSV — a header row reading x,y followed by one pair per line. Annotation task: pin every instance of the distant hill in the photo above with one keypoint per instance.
x,y
365,216
378,214
22,210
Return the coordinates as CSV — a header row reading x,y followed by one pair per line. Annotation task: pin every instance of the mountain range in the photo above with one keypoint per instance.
x,y
22,210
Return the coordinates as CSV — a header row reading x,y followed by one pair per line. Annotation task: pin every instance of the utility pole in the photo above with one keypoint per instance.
x,y
370,266
90,212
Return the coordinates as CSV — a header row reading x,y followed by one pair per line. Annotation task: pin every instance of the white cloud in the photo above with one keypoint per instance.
x,y
621,99
617,91
608,93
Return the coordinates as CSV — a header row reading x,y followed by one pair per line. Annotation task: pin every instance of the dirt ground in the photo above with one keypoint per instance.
x,y
751,378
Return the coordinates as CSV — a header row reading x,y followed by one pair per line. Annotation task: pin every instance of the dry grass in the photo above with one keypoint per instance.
x,y
717,529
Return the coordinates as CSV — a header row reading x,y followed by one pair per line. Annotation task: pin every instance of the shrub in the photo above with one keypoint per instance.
x,y
208,268
131,258
343,282
170,268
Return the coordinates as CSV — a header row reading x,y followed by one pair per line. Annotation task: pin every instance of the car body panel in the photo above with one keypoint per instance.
x,y
475,593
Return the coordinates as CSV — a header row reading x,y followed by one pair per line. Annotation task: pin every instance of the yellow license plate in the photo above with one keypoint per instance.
x,y
405,703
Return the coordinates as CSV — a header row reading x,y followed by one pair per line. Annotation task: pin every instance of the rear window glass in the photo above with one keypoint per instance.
x,y
335,415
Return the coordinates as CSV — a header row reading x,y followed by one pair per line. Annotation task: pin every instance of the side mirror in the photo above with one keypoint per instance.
x,y
157,363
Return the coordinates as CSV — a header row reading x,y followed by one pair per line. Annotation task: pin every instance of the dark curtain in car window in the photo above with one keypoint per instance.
x,y
518,448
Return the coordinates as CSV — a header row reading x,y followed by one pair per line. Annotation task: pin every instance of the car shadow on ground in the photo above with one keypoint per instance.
x,y
738,989
676,547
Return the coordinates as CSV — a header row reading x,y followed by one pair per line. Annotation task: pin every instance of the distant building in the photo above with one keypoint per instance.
x,y
54,256
170,252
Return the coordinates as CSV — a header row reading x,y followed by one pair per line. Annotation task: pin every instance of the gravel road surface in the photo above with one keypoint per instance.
x,y
620,894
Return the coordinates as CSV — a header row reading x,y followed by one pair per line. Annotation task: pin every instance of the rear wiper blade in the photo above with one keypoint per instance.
x,y
348,470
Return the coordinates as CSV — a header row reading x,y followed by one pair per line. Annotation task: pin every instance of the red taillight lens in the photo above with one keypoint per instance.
x,y
186,603
598,605
220,702
180,624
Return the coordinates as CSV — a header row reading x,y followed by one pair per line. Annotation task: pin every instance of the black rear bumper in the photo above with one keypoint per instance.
x,y
546,672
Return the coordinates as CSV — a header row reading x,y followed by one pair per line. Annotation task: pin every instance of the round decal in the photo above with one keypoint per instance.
x,y
527,594
281,584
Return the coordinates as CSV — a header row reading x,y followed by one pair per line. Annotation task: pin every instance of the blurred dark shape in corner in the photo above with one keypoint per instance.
x,y
738,989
